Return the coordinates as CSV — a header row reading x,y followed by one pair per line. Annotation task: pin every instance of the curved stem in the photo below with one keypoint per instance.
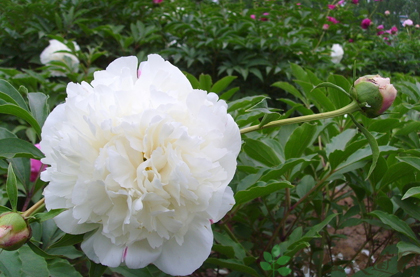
x,y
34,208
350,108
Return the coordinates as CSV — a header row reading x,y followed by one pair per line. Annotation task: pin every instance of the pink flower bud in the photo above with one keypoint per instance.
x,y
374,94
355,1
417,26
380,27
332,19
331,7
407,23
366,23
387,13
14,231
252,16
325,27
36,167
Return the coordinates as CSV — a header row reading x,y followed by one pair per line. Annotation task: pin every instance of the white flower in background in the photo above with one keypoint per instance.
x,y
50,54
142,160
337,53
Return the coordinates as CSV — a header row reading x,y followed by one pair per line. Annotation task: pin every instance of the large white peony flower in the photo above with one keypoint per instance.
x,y
337,53
143,161
50,54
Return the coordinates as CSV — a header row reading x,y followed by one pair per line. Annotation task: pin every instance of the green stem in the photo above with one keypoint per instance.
x,y
350,108
38,205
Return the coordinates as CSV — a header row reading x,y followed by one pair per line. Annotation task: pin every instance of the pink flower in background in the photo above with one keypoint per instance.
x,y
387,13
252,16
407,23
379,33
355,1
264,18
331,7
366,23
157,1
417,26
325,27
36,167
380,27
351,40
298,4
393,30
341,2
332,19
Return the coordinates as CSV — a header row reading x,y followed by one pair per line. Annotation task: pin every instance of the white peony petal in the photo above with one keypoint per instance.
x,y
186,258
143,161
140,254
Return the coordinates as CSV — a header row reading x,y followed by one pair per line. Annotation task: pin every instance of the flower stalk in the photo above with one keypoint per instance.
x,y
38,205
350,108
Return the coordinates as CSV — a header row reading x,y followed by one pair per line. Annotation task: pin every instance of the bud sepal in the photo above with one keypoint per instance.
x,y
14,231
374,94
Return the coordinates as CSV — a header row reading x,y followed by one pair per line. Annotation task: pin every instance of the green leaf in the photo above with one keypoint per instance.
x,y
48,215
413,161
33,265
301,138
205,82
19,112
39,106
22,169
234,265
194,82
407,248
11,188
245,196
373,145
96,270
62,268
228,251
143,272
284,271
265,266
68,239
331,85
14,147
40,252
222,84
11,95
283,260
292,90
10,264
261,152
268,257
395,223
412,192
228,94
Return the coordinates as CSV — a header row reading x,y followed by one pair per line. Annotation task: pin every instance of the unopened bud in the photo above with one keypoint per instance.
x,y
374,94
14,231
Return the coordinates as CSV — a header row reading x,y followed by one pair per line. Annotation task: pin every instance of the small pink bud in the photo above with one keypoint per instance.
x,y
14,231
374,94
417,26
252,16
332,19
355,1
380,27
331,7
325,27
387,13
366,23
